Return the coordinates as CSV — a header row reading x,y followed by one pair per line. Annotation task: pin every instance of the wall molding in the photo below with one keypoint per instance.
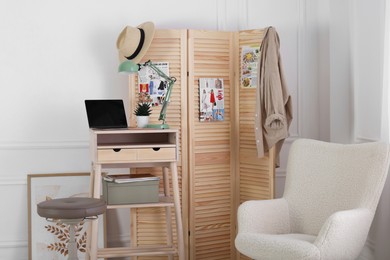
x,y
301,58
221,15
353,71
291,139
243,16
13,244
119,238
12,181
362,139
43,145
280,173
232,15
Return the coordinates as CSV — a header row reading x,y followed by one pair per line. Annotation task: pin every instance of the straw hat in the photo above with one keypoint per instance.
x,y
133,42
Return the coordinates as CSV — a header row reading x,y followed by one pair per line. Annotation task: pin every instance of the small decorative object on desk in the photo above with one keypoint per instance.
x,y
143,109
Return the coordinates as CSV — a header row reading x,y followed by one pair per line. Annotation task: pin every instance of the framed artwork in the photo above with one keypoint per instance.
x,y
153,84
48,240
211,100
249,59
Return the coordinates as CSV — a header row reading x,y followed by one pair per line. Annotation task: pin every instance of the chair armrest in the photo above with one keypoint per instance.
x,y
264,216
344,233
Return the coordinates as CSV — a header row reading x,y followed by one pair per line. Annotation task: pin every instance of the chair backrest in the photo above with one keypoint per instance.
x,y
323,178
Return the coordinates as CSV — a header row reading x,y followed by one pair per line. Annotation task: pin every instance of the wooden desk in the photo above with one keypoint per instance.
x,y
133,148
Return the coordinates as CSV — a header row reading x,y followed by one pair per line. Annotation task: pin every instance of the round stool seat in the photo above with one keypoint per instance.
x,y
71,208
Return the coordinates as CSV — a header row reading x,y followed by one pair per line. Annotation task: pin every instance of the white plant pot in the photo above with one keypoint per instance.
x,y
142,121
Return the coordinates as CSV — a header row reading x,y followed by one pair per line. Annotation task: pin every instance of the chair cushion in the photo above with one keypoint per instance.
x,y
284,246
71,208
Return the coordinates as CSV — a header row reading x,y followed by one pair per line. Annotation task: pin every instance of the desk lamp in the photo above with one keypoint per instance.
x,y
130,67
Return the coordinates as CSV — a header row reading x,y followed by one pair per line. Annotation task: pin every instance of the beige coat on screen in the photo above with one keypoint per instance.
x,y
273,102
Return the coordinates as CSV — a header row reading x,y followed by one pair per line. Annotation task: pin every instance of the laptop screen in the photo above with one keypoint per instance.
x,y
106,113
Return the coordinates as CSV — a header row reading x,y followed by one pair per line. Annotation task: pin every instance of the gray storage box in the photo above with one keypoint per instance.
x,y
131,190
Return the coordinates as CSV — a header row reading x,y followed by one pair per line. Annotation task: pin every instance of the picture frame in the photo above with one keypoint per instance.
x,y
249,59
152,83
211,100
48,240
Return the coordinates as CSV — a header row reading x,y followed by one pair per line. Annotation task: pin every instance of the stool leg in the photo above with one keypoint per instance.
x,y
72,245
72,248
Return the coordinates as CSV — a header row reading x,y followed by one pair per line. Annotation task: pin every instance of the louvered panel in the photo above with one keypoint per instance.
x,y
211,176
256,176
148,225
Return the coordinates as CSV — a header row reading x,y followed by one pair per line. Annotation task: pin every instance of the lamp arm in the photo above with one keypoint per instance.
x,y
171,81
167,100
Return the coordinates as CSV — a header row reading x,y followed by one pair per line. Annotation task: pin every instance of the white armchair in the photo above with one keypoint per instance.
x,y
330,197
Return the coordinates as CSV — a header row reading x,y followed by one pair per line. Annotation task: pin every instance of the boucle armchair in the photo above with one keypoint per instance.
x,y
330,197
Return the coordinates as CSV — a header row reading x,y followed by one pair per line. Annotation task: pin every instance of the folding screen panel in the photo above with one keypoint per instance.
x,y
211,168
255,177
148,225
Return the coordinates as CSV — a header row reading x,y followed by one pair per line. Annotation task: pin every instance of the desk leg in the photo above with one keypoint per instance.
x,y
176,199
91,180
97,181
92,233
168,214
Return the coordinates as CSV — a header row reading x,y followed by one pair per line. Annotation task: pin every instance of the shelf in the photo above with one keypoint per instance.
x,y
134,138
134,145
163,202
128,251
132,130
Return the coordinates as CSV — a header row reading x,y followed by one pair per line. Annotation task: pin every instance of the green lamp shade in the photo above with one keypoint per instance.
x,y
128,67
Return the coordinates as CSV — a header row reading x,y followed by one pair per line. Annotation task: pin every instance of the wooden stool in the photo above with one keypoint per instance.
x,y
71,211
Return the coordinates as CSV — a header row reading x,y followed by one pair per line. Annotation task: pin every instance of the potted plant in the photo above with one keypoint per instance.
x,y
143,109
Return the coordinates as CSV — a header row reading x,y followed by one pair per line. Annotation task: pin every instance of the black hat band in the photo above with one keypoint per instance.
x,y
140,44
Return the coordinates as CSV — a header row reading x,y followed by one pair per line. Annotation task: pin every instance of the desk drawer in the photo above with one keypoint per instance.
x,y
155,154
120,155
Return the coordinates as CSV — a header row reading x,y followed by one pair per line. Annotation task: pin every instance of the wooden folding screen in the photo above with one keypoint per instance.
x,y
218,166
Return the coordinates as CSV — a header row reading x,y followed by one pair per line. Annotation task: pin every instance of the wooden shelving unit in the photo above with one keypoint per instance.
x,y
137,148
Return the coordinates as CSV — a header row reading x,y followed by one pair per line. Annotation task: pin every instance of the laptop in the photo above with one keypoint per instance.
x,y
106,113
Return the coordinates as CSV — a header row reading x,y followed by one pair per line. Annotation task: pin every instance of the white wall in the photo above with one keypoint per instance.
x,y
355,72
367,44
356,31
54,54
